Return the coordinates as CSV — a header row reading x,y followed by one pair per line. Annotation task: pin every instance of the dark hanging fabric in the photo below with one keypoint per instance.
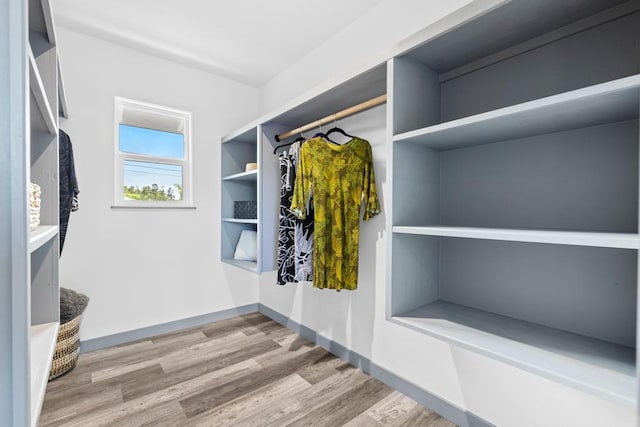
x,y
68,184
295,236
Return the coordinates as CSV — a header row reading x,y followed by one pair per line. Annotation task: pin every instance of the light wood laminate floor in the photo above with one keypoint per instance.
x,y
244,371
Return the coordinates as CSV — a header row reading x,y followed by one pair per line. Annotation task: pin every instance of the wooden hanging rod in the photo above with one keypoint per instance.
x,y
336,116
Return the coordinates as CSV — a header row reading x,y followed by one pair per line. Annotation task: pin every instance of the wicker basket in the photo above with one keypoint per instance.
x,y
67,348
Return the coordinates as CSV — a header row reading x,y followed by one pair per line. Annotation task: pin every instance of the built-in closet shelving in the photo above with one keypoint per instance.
x,y
28,341
239,185
513,166
514,171
256,142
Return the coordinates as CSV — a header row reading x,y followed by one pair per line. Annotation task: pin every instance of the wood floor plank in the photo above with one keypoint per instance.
x,y
255,318
109,416
285,351
392,408
220,395
148,353
322,369
244,371
179,339
251,403
120,370
61,415
421,416
217,347
168,414
112,352
175,336
132,390
235,324
72,379
363,420
294,407
293,341
72,396
343,408
225,327
196,353
262,328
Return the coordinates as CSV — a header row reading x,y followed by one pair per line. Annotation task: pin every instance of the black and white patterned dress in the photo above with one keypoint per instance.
x,y
295,238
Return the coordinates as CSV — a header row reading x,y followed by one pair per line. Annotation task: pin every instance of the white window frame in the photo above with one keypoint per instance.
x,y
123,104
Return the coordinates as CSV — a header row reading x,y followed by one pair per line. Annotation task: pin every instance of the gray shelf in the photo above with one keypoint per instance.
x,y
43,343
555,237
514,180
251,176
608,102
241,220
595,366
245,265
27,341
237,150
44,111
41,236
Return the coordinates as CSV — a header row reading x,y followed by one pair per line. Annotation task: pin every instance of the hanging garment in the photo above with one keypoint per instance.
x,y
303,235
339,176
68,184
295,236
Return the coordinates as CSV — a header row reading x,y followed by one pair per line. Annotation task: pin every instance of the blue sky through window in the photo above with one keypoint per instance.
x,y
151,142
156,143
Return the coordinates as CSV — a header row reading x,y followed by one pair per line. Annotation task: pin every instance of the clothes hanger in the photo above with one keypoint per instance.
x,y
335,128
324,136
319,133
298,139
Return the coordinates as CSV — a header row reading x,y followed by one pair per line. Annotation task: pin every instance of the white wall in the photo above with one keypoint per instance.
x,y
146,267
364,43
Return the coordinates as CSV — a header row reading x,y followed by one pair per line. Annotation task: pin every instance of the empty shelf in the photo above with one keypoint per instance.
x,y
608,102
63,110
42,235
243,176
578,238
247,265
40,97
43,342
592,365
240,221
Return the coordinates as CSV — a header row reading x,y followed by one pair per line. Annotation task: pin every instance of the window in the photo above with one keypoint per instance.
x,y
152,155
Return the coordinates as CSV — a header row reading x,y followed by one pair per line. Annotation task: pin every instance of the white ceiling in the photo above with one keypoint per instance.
x,y
250,41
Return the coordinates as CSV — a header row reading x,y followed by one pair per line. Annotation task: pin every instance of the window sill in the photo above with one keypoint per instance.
x,y
152,207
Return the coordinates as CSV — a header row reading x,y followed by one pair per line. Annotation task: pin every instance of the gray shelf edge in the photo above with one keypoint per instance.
x,y
241,265
585,387
529,108
548,237
239,132
249,176
240,220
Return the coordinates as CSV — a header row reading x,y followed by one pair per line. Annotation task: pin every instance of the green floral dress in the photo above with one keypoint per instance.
x,y
340,177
